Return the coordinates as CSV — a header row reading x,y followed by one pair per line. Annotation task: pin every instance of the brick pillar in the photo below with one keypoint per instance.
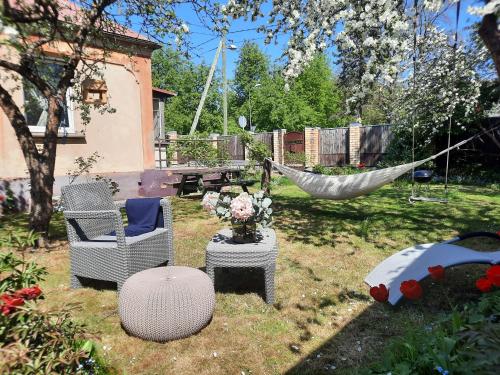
x,y
311,146
172,136
354,143
214,137
279,146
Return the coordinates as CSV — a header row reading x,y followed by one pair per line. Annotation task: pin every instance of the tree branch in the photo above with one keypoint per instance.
x,y
18,122
80,42
25,70
490,34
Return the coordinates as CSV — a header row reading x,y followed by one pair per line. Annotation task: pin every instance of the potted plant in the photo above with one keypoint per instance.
x,y
245,212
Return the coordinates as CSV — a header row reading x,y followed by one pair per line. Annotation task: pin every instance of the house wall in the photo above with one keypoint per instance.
x,y
124,138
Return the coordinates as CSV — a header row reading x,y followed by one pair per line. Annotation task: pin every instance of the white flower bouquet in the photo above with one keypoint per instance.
x,y
244,211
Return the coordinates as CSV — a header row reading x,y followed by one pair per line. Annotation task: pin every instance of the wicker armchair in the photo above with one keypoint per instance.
x,y
90,214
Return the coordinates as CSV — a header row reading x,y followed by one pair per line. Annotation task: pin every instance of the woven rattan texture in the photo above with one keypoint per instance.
x,y
166,303
222,251
90,213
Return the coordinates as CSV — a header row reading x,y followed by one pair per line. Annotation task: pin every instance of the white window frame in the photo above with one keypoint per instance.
x,y
70,129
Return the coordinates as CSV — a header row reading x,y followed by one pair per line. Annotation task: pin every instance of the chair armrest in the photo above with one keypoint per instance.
x,y
120,204
104,214
114,215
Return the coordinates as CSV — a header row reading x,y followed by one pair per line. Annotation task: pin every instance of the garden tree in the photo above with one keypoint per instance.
x,y
173,71
371,35
30,29
252,68
313,99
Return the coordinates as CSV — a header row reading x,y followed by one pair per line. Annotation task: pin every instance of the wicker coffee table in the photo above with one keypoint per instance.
x,y
222,251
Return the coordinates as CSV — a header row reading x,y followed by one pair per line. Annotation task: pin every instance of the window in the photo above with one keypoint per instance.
x,y
35,105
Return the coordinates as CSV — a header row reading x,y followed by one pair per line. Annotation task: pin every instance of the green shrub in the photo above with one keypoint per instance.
x,y
296,158
18,238
320,169
462,342
18,273
202,151
33,341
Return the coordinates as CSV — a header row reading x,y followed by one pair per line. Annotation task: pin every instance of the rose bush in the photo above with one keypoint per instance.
x,y
463,341
33,341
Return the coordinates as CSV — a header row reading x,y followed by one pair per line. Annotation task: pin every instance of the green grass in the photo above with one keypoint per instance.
x,y
323,315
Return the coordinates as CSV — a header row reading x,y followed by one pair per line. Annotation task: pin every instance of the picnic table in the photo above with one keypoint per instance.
x,y
191,181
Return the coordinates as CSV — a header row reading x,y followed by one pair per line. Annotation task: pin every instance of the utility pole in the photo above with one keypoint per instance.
x,y
224,82
207,86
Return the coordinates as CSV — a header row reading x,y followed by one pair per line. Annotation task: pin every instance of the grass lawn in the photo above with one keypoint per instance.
x,y
324,320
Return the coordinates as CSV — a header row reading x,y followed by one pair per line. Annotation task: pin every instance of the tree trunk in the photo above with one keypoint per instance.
x,y
42,175
489,32
42,183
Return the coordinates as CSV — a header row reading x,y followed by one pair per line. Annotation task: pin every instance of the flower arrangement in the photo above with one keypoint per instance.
x,y
244,211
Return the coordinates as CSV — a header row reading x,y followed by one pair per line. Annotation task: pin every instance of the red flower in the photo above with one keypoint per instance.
x,y
2,198
436,272
10,302
379,293
361,165
493,274
411,289
484,284
29,293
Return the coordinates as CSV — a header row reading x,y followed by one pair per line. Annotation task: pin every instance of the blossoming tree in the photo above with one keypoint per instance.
x,y
373,39
29,30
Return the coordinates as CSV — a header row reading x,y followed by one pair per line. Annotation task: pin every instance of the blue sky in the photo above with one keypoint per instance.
x,y
206,41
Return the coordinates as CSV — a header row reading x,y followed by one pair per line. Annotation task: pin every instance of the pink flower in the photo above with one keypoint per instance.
x,y
241,207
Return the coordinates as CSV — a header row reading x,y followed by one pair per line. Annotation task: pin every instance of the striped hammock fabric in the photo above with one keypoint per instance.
x,y
351,186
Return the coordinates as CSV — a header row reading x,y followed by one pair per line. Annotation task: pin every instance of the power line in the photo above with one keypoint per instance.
x,y
207,41
250,29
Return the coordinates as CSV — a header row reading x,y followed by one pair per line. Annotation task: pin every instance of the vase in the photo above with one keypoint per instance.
x,y
244,232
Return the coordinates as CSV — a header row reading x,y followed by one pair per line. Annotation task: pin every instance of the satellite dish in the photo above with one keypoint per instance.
x,y
242,122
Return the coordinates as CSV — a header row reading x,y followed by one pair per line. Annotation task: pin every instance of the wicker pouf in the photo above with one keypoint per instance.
x,y
166,303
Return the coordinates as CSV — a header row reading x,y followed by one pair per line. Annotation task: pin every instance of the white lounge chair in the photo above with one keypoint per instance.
x,y
412,263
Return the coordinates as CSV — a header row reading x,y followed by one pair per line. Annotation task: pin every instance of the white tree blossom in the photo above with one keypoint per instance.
x,y
373,44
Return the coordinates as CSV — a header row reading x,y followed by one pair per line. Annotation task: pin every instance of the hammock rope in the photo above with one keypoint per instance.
x,y
413,197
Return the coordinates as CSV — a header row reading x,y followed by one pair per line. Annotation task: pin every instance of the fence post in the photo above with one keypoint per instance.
x,y
354,143
279,146
172,136
265,183
311,146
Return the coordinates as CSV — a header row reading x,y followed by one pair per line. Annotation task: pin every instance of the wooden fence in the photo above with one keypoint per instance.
x,y
329,147
266,138
374,141
333,146
233,145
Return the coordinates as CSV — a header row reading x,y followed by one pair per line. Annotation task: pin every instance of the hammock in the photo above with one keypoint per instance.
x,y
352,186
